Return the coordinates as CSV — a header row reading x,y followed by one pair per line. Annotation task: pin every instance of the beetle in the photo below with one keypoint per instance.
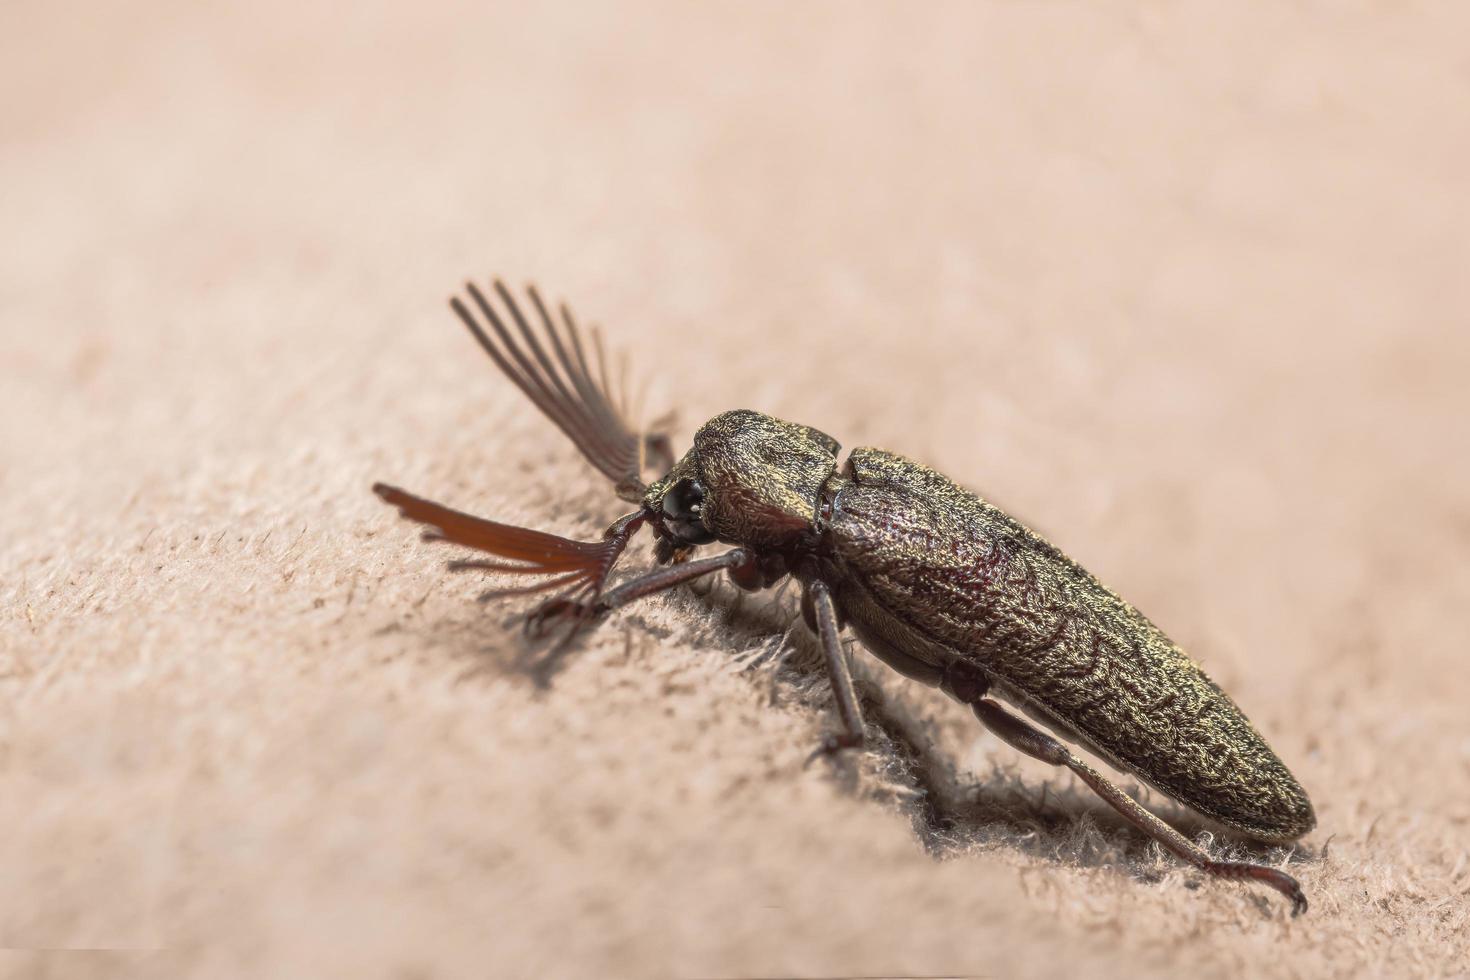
x,y
939,584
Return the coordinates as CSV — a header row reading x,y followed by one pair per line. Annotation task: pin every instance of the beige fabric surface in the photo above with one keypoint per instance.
x,y
1183,286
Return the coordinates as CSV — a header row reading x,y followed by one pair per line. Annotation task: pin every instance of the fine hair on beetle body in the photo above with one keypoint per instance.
x,y
934,581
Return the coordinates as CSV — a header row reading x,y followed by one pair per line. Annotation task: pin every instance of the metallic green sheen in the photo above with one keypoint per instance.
x,y
923,565
929,574
761,478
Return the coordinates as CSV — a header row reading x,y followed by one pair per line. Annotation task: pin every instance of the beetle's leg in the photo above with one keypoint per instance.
x,y
667,578
820,613
645,585
1037,744
581,613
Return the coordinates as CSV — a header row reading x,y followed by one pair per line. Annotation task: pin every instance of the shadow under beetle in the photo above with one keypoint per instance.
x,y
940,585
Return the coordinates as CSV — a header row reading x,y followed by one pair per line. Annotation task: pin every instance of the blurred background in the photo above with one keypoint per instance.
x,y
1182,286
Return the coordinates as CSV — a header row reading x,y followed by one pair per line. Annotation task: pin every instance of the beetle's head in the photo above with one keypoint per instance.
x,y
749,479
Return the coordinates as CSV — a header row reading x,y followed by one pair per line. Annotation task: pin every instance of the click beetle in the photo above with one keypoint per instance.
x,y
939,584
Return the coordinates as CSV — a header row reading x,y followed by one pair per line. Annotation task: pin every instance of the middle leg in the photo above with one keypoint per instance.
x,y
820,613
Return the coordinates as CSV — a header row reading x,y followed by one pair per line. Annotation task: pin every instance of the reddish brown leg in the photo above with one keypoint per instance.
x,y
1039,745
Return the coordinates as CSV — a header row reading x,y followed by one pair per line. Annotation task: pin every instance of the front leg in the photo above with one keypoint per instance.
x,y
580,608
820,613
584,612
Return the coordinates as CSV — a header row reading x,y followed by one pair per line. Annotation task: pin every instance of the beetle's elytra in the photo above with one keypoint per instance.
x,y
943,587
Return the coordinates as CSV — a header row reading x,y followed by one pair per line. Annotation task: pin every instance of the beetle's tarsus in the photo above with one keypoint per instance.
x,y
560,609
833,744
1271,877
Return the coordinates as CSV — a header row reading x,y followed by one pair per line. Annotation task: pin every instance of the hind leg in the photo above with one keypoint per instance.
x,y
1039,745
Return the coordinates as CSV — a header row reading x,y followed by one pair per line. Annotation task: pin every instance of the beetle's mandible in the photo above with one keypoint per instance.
x,y
940,585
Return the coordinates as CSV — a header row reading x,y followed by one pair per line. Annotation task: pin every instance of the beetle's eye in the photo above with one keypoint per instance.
x,y
683,507
684,500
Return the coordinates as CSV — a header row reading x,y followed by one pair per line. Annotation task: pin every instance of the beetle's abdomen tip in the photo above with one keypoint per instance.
x,y
1287,823
1304,823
